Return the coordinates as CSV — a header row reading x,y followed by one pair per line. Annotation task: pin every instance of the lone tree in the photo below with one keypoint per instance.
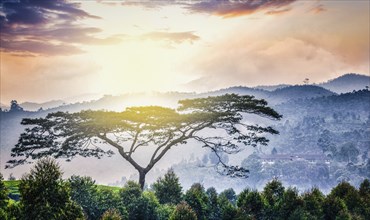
x,y
66,135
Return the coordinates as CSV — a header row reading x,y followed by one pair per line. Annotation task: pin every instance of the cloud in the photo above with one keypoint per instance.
x,y
223,8
243,60
230,8
318,9
35,47
276,12
172,37
46,28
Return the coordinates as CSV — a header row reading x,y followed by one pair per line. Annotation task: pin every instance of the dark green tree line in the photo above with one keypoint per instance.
x,y
131,202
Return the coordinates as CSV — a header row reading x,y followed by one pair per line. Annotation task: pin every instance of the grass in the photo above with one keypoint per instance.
x,y
12,186
115,189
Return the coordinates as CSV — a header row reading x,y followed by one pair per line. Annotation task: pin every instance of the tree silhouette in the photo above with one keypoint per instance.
x,y
15,107
66,135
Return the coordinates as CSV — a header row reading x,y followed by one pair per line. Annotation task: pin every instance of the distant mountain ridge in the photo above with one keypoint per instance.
x,y
275,94
347,83
291,93
32,106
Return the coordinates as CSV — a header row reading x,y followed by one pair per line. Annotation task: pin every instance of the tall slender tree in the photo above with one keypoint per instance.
x,y
168,189
66,135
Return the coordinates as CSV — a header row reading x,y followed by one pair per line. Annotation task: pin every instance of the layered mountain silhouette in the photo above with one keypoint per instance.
x,y
309,112
275,94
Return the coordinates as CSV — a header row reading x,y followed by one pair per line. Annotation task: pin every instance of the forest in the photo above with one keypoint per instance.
x,y
44,194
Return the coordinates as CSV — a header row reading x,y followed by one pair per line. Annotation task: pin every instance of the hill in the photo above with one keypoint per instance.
x,y
33,106
290,93
241,90
347,83
3,106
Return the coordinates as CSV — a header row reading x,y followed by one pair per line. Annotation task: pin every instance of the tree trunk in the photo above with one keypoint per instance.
x,y
142,178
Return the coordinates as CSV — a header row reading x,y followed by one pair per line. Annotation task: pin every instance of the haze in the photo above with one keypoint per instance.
x,y
58,49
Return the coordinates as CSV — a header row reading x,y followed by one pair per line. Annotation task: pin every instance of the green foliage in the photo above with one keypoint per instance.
x,y
227,201
183,212
291,201
313,202
230,195
14,210
364,189
13,189
300,214
168,189
110,199
164,211
348,194
95,200
334,208
213,207
133,203
251,204
227,210
139,205
114,189
3,214
8,208
45,196
364,193
84,192
3,193
111,214
197,198
273,194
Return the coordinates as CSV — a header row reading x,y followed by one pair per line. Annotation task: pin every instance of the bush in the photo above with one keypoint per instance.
x,y
183,212
3,193
111,214
139,205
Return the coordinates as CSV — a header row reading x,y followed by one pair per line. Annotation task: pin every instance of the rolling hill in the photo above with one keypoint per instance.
x,y
347,83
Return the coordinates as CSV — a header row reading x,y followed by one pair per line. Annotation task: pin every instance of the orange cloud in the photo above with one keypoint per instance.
x,y
318,9
277,12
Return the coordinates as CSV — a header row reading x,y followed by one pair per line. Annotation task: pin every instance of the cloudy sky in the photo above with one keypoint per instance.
x,y
58,49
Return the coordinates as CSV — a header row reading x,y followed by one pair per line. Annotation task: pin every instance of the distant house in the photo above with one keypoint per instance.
x,y
311,158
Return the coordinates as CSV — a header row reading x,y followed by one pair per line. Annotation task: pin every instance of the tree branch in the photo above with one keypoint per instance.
x,y
121,151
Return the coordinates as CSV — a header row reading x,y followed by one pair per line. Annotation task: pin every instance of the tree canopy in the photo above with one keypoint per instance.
x,y
168,189
45,195
67,135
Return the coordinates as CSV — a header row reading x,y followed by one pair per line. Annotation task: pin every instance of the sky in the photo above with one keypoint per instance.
x,y
59,49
